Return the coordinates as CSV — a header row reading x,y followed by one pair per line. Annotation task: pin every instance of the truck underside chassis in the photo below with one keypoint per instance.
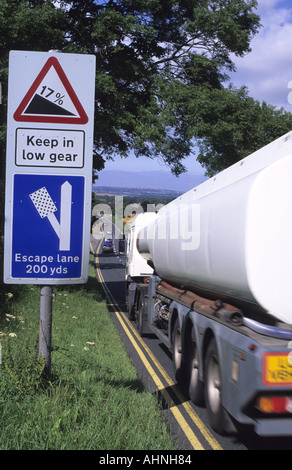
x,y
240,375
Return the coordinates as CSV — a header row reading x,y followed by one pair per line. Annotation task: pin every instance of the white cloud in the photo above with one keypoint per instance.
x,y
267,70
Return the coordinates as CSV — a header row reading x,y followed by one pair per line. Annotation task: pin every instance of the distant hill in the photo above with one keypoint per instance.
x,y
149,179
146,192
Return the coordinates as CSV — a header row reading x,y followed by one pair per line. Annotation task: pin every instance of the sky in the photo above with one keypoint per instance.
x,y
267,73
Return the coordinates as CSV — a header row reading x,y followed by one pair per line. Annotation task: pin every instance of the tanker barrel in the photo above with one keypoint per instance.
x,y
232,234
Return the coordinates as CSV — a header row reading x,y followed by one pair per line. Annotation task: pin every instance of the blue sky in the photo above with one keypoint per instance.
x,y
267,73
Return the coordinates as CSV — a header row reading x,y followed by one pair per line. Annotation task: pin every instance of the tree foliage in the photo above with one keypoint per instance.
x,y
160,76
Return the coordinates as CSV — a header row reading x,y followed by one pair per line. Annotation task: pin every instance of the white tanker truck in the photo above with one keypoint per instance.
x,y
211,275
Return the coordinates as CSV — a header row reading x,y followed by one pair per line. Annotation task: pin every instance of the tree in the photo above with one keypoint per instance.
x,y
228,124
141,46
160,76
248,125
144,52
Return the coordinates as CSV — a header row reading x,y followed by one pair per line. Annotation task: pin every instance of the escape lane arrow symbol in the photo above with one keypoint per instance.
x,y
46,208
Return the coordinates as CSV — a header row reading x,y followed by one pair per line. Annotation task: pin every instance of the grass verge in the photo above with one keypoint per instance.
x,y
94,400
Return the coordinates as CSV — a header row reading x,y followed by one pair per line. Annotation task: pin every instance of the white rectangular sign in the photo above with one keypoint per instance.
x,y
49,148
49,167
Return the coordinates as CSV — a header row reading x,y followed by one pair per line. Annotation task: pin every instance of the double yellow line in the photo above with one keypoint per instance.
x,y
137,341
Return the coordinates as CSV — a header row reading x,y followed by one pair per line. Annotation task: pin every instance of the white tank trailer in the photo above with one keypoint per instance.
x,y
218,294
231,236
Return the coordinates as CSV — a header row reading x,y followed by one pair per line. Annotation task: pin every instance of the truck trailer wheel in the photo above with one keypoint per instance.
x,y
177,353
213,388
196,387
139,316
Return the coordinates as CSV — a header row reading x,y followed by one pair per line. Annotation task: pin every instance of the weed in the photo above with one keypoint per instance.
x,y
25,368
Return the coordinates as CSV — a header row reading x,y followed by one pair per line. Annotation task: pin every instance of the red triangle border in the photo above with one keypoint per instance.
x,y
19,116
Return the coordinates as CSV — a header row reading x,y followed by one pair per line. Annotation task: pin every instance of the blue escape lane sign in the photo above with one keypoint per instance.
x,y
46,237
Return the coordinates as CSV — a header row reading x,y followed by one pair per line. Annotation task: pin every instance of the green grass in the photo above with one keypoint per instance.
x,y
94,399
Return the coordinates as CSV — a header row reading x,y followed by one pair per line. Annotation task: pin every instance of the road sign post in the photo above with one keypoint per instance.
x,y
48,170
45,330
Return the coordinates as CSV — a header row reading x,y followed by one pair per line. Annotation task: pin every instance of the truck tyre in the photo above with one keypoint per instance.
x,y
196,387
213,389
139,316
130,308
130,313
177,356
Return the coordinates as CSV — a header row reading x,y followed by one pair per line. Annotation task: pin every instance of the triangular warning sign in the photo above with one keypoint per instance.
x,y
51,99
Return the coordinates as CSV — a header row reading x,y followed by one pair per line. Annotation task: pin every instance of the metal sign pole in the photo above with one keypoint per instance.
x,y
45,332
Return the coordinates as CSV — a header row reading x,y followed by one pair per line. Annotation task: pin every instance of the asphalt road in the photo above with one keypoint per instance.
x,y
153,361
